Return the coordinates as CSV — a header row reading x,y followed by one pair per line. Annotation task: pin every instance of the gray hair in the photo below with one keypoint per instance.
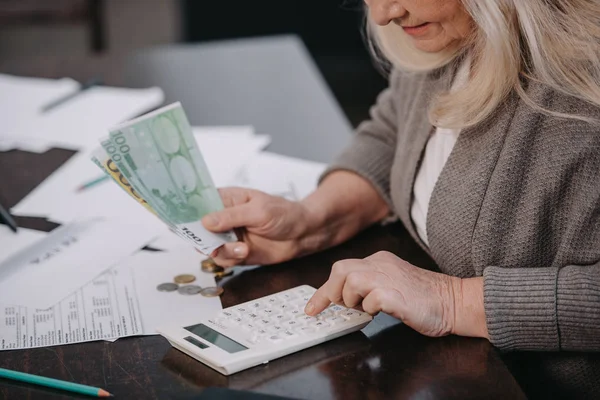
x,y
554,42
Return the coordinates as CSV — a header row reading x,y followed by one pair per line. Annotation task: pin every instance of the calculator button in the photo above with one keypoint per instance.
x,y
299,303
334,320
336,308
255,306
319,325
251,316
237,320
289,334
324,315
296,313
292,323
287,296
249,327
273,301
261,332
281,318
275,338
264,322
225,315
275,329
284,307
305,290
306,318
350,314
305,330
267,312
241,310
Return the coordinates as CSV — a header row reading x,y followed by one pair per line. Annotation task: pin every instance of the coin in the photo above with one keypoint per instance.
x,y
209,265
185,278
167,287
189,290
212,291
224,273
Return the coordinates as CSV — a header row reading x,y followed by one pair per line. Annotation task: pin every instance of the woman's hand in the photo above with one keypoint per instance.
x,y
276,230
273,227
432,303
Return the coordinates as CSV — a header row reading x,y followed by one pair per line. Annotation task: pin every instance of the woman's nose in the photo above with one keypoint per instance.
x,y
384,11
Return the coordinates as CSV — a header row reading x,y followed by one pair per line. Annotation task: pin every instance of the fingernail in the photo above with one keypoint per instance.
x,y
211,220
309,308
239,251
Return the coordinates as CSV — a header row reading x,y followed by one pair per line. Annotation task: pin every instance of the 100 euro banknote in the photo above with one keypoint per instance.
x,y
159,164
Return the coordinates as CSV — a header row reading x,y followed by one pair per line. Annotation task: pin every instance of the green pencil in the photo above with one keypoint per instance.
x,y
53,383
92,183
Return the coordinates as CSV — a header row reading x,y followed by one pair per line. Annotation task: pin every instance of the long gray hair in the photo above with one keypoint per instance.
x,y
555,42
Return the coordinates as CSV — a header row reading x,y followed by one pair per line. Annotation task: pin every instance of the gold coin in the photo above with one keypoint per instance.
x,y
209,265
212,291
224,273
185,278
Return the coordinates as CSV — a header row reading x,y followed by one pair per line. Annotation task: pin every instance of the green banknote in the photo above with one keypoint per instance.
x,y
158,156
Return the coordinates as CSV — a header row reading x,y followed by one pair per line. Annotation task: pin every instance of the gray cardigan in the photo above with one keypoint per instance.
x,y
518,202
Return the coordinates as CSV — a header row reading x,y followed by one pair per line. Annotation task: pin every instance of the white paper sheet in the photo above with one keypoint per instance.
x,y
32,145
80,121
70,256
288,177
225,151
120,302
22,98
11,242
106,308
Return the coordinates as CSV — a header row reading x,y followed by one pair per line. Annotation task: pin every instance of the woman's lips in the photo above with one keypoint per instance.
x,y
417,29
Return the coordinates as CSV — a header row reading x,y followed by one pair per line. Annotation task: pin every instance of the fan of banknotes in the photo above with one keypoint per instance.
x,y
156,160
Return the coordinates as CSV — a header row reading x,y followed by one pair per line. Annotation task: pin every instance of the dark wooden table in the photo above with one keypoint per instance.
x,y
386,361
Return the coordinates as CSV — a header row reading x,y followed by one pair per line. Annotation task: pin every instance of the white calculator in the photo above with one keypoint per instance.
x,y
261,330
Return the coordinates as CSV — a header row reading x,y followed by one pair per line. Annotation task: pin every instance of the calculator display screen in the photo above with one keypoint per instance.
x,y
215,338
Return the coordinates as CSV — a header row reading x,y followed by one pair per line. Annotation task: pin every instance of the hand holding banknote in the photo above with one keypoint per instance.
x,y
275,229
155,160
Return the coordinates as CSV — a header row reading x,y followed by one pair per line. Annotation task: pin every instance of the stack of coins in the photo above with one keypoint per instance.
x,y
181,282
209,265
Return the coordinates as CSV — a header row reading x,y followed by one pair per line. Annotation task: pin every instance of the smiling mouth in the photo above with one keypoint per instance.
x,y
415,26
416,29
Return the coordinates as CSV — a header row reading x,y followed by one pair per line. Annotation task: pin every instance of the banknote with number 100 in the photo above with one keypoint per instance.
x,y
159,164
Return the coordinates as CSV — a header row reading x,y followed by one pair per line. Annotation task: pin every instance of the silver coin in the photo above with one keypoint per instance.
x,y
167,287
212,291
189,290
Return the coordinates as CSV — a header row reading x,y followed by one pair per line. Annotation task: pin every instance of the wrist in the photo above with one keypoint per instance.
x,y
313,223
469,312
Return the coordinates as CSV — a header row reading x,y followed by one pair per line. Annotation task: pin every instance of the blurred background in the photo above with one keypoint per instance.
x,y
84,39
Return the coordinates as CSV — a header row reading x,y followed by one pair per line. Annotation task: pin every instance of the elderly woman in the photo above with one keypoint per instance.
x,y
486,145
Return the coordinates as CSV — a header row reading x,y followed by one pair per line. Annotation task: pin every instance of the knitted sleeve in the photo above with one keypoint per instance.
x,y
370,154
555,307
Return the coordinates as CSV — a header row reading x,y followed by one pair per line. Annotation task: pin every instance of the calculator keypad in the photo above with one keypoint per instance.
x,y
280,317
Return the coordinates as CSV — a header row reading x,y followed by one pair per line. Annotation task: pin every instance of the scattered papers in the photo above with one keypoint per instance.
x,y
120,302
79,122
105,308
11,243
23,143
90,272
42,274
288,177
227,150
23,98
